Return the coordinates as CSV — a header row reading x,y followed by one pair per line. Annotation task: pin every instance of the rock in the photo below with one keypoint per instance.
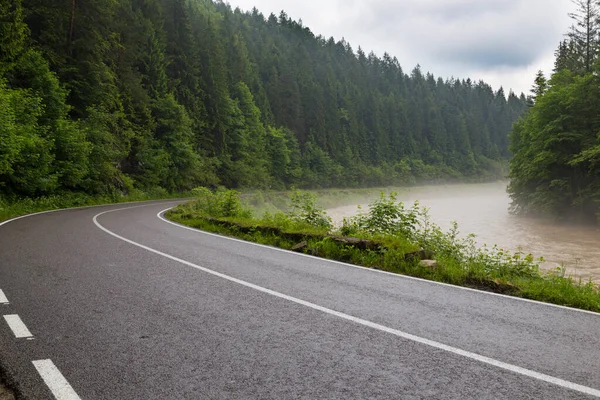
x,y
431,264
300,246
419,255
362,244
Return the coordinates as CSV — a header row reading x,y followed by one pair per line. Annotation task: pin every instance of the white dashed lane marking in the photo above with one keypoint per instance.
x,y
58,385
3,299
17,326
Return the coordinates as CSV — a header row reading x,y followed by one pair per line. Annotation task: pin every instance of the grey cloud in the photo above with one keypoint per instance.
x,y
442,10
487,56
447,37
468,10
484,33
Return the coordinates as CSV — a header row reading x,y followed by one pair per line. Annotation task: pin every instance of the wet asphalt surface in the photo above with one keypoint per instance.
x,y
122,322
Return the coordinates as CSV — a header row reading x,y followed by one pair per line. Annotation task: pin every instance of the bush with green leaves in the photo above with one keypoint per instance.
x,y
386,216
399,232
458,255
222,203
462,253
304,209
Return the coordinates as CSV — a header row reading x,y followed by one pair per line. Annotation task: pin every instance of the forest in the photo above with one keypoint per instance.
x,y
107,96
555,171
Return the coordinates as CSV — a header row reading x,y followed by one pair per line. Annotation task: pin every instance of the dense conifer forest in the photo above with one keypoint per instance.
x,y
103,96
556,166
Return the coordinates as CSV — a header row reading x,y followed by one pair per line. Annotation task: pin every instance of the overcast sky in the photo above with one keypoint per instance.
x,y
503,42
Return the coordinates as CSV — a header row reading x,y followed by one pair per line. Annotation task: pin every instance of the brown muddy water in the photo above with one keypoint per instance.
x,y
483,210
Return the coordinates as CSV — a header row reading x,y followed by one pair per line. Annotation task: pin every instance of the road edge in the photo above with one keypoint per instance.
x,y
9,388
161,216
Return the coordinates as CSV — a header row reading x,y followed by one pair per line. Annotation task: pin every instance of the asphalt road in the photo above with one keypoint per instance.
x,y
124,305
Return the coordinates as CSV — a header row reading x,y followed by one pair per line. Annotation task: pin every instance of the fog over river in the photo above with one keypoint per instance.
x,y
482,209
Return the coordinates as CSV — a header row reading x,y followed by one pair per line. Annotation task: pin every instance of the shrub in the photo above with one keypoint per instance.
x,y
399,232
464,253
304,209
222,203
386,216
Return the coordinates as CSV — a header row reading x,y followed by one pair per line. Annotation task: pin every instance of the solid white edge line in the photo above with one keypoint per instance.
x,y
56,382
31,215
301,254
17,326
160,215
3,299
360,321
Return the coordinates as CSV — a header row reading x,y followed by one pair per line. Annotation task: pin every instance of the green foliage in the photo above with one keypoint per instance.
x,y
386,216
555,170
110,144
135,95
174,135
221,203
70,146
42,150
245,159
304,209
13,33
468,261
25,156
398,238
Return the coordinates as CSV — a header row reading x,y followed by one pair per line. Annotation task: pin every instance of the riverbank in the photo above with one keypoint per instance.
x,y
388,237
482,209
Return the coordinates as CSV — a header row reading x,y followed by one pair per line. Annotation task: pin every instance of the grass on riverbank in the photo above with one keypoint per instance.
x,y
17,207
389,237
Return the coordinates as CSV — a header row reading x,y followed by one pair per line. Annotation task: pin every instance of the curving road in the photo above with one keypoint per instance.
x,y
117,303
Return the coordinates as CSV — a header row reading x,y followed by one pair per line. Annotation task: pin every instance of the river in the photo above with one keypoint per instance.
x,y
482,209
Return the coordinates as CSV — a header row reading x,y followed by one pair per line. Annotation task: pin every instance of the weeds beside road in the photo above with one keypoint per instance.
x,y
390,237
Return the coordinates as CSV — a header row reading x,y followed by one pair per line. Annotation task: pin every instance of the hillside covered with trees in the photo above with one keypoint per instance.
x,y
102,96
556,168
